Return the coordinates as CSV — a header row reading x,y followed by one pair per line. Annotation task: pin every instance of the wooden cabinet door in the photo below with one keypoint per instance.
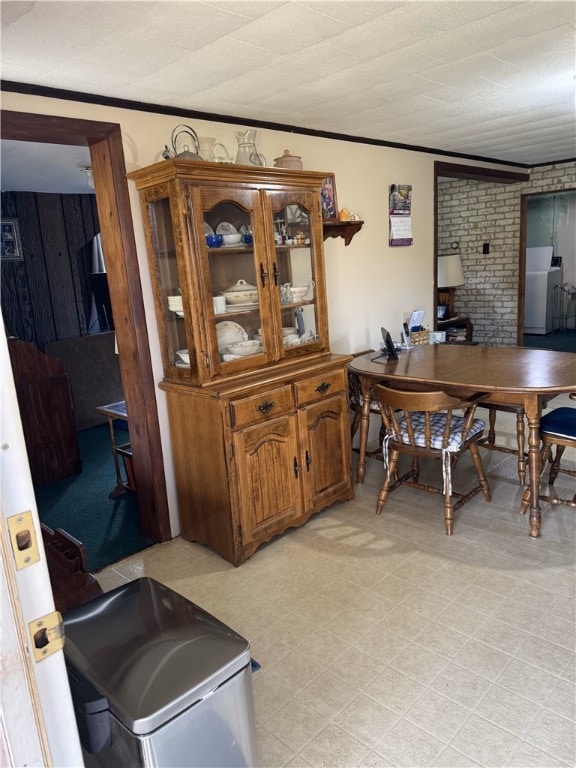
x,y
325,439
269,484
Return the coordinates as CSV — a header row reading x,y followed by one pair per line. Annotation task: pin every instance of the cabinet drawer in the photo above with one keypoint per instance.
x,y
317,387
259,408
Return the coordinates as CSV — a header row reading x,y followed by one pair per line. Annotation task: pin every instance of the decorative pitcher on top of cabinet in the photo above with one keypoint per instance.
x,y
247,153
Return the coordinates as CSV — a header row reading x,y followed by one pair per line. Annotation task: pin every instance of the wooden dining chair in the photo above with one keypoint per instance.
x,y
557,430
355,401
423,424
489,441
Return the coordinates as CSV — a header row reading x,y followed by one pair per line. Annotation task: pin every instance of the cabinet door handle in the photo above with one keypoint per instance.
x,y
276,274
266,406
296,467
263,275
323,388
308,461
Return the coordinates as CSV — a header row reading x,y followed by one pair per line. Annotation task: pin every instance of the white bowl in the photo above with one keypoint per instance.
x,y
184,355
232,239
299,291
292,340
285,332
241,293
250,347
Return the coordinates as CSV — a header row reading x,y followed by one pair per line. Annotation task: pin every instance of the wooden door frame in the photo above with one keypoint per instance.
x,y
114,213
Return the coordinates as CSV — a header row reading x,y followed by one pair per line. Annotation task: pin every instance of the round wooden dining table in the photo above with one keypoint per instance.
x,y
509,375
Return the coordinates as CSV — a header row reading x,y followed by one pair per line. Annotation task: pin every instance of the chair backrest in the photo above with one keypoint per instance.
x,y
411,414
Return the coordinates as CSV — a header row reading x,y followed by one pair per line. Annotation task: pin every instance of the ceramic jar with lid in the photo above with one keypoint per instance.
x,y
241,293
292,162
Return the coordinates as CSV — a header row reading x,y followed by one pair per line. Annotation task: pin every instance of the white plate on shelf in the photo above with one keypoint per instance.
x,y
228,332
245,229
241,307
208,229
179,313
225,228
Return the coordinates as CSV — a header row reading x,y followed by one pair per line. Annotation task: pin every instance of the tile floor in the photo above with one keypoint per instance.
x,y
383,642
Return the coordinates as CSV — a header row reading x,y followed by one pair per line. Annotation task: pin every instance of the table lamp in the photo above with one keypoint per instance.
x,y
450,275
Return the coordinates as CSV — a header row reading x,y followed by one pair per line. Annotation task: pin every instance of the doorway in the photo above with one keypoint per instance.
x,y
107,158
549,223
448,171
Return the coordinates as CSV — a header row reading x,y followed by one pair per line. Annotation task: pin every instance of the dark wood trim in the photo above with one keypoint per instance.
x,y
114,213
495,175
90,98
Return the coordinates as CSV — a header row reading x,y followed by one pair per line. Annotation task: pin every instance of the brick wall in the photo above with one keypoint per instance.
x,y
472,213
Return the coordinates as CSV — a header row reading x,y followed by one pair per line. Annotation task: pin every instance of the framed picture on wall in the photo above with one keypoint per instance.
x,y
328,195
10,243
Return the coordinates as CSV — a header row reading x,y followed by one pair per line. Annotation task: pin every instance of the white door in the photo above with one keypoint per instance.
x,y
37,724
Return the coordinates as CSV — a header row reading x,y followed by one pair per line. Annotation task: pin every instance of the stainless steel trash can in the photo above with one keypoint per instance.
x,y
157,681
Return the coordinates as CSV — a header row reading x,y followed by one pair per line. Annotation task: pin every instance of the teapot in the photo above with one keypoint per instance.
x,y
186,153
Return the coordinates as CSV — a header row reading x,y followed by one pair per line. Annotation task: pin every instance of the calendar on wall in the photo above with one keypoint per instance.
x,y
400,214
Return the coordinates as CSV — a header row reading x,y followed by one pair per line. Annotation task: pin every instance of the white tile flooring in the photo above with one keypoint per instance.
x,y
383,642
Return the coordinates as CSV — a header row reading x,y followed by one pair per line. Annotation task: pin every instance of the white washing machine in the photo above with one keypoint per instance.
x,y
541,281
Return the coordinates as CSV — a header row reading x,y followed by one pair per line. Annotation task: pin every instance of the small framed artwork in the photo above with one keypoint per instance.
x,y
442,311
10,243
328,194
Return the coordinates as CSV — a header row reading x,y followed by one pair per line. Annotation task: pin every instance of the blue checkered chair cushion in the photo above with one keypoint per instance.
x,y
437,425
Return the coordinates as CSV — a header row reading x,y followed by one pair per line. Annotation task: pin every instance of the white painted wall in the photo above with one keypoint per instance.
x,y
369,284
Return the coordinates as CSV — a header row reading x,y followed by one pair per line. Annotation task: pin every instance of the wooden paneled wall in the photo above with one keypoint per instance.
x,y
47,296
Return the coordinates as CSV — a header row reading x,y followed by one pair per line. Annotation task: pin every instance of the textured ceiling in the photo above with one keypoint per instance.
x,y
492,79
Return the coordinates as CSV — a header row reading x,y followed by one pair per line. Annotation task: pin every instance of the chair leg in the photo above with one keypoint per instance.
x,y
355,425
390,473
520,437
491,427
415,469
475,453
525,501
555,468
448,513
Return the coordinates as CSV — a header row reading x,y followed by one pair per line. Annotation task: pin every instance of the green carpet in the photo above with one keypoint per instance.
x,y
109,529
559,341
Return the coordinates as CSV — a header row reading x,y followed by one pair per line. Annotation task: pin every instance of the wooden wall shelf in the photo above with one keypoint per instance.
x,y
345,229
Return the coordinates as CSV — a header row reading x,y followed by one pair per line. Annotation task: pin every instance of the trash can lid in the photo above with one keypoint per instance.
x,y
150,651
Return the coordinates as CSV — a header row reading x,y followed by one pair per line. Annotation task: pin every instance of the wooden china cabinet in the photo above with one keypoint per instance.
x,y
260,434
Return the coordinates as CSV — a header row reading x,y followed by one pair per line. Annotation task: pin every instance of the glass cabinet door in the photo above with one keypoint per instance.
x,y
237,275
296,265
171,305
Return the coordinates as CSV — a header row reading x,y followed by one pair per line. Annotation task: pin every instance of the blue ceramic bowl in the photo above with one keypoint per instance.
x,y
214,241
